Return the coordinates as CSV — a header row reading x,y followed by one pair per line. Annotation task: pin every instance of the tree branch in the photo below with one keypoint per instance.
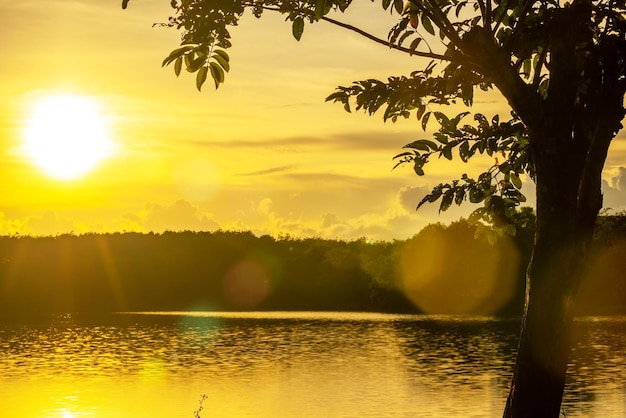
x,y
383,42
481,5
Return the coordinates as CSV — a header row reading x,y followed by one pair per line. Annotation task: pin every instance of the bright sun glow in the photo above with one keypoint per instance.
x,y
67,136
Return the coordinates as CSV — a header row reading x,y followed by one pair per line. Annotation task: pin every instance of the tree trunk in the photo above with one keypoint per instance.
x,y
539,375
562,243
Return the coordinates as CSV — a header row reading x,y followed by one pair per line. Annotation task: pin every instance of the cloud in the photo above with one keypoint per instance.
x,y
329,220
614,190
372,141
179,216
267,143
348,182
335,206
382,140
11,226
47,223
154,217
269,171
394,223
410,196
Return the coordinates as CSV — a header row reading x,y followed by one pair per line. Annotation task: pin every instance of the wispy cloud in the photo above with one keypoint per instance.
x,y
272,170
355,142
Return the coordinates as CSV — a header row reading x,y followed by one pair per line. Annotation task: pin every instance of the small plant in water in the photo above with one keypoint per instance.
x,y
196,413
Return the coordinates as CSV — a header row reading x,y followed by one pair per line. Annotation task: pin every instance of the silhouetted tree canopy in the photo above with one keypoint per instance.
x,y
101,273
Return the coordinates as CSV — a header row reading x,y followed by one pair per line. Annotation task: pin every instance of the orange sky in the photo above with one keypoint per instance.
x,y
263,153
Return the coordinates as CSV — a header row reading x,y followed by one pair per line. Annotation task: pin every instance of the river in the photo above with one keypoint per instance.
x,y
289,365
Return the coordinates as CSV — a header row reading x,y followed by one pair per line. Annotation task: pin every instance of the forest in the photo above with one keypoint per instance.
x,y
444,269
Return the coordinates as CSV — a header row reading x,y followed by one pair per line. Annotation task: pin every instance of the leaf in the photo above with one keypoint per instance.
x,y
526,68
476,195
510,229
404,154
420,112
403,37
428,25
517,182
455,121
464,151
433,145
467,93
432,197
320,5
443,120
458,8
188,58
476,216
178,65
396,31
459,196
425,120
336,96
446,201
386,4
481,119
418,169
222,54
202,50
298,27
442,34
492,236
221,61
217,73
177,53
415,44
420,144
195,64
201,77
124,4
398,5
442,138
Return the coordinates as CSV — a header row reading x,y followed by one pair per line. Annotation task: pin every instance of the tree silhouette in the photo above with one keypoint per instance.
x,y
559,65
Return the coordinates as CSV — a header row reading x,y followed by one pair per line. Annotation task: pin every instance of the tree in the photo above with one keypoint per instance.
x,y
559,65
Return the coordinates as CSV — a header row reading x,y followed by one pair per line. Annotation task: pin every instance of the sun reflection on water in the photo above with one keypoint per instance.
x,y
67,414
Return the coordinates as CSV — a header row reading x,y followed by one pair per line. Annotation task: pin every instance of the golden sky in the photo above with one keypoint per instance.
x,y
263,153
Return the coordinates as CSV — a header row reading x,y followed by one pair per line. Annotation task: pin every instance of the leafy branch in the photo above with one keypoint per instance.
x,y
499,187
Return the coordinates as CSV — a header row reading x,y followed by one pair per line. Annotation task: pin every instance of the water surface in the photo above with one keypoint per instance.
x,y
288,365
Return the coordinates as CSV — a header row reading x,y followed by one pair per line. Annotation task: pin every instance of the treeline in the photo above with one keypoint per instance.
x,y
443,269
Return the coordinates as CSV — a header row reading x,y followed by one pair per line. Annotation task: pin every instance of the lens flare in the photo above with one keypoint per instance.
x,y
603,287
448,271
246,284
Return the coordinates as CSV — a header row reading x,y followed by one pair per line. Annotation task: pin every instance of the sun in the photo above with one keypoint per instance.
x,y
67,136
